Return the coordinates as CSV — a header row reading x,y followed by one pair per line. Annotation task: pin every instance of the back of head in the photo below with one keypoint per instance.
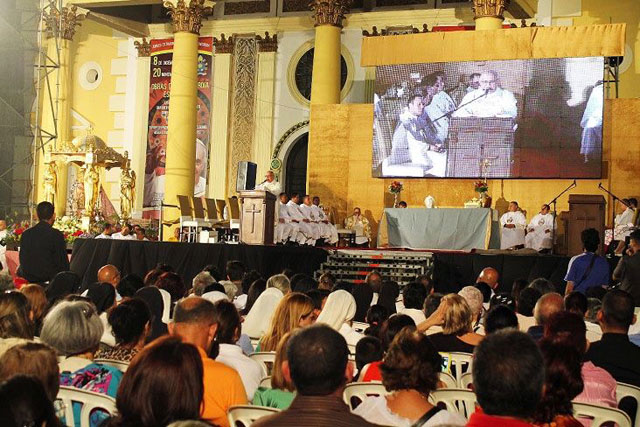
x,y
248,279
170,371
279,281
200,283
318,296
594,305
458,318
376,315
6,281
500,317
128,320
368,349
235,270
576,302
24,402
527,301
389,292
518,286
317,360
303,283
426,281
102,295
34,359
547,305
171,283
342,285
213,270
37,300
567,328
228,321
293,308
326,281
194,311
14,316
62,284
485,290
392,326
363,294
431,303
474,298
411,363
590,239
45,211
543,286
254,292
413,295
72,327
508,373
490,276
338,310
129,285
618,309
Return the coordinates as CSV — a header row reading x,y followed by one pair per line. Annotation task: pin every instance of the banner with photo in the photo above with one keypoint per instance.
x,y
159,89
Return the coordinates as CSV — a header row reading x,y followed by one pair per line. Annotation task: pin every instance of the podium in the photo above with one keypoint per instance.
x,y
585,211
257,217
473,140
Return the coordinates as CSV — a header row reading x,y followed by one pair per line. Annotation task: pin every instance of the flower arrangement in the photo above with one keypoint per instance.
x,y
395,187
70,227
481,186
14,233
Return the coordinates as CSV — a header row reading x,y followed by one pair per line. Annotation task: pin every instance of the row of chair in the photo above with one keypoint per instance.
x,y
219,213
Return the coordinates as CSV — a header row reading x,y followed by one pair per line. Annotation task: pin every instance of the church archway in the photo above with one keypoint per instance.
x,y
296,166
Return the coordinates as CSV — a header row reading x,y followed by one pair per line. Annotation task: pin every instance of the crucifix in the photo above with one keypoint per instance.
x,y
253,213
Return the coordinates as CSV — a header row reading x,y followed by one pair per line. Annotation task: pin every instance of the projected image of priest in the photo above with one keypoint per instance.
x,y
591,123
489,100
441,104
201,164
414,135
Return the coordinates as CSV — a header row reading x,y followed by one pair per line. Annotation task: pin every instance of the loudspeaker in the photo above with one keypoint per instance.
x,y
246,179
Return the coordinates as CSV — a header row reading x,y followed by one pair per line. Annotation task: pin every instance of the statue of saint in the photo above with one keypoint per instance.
x,y
91,190
127,192
50,183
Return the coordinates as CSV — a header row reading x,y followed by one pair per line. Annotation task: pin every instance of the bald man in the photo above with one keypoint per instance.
x,y
547,305
109,274
489,276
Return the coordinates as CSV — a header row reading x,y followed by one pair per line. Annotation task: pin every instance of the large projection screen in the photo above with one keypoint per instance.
x,y
535,118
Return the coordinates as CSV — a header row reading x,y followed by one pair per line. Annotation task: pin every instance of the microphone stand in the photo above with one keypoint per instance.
x,y
486,92
613,209
555,215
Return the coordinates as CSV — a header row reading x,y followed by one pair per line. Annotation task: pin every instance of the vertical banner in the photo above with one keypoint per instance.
x,y
159,90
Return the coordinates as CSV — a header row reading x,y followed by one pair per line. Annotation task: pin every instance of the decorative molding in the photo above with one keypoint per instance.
x,y
285,136
329,12
188,18
223,45
143,48
63,21
395,31
246,7
267,43
489,8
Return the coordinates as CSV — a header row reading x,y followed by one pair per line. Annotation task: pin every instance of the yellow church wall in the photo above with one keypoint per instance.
x,y
340,152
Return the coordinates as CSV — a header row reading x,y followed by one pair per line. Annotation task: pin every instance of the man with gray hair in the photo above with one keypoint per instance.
x,y
200,283
489,100
547,305
6,282
473,297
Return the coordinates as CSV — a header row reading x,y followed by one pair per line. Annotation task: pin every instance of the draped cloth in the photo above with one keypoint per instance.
x,y
259,318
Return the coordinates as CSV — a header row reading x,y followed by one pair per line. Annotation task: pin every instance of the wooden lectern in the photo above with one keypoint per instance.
x,y
585,211
257,217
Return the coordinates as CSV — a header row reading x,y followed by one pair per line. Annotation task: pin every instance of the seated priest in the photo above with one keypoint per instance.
x,y
307,234
512,225
270,184
540,231
286,230
360,225
328,231
308,212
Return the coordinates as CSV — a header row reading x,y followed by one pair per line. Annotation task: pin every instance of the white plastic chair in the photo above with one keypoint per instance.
x,y
459,363
90,402
462,402
121,366
627,390
245,415
266,382
266,359
601,414
466,380
361,391
447,379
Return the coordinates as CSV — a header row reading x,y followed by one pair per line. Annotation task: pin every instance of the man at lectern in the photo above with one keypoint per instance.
x,y
270,184
489,100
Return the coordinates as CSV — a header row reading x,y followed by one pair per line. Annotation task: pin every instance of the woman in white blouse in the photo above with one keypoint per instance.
x,y
338,313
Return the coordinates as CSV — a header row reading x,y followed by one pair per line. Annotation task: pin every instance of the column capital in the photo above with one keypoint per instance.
x,y
329,12
143,47
267,43
63,21
489,8
188,18
223,44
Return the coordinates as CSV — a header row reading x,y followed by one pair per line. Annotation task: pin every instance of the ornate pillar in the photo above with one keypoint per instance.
x,y
223,49
181,137
325,82
60,26
140,129
489,14
265,94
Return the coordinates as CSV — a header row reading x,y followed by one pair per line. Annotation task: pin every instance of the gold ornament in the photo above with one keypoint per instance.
x,y
143,48
63,21
50,182
489,8
127,190
188,18
91,190
329,12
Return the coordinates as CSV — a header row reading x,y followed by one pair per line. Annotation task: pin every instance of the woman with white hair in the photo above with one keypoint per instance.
x,y
473,297
338,312
74,329
257,320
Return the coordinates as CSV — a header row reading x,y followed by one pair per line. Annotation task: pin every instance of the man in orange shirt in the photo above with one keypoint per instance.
x,y
194,322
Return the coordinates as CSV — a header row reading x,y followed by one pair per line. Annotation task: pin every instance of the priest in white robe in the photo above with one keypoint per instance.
x,y
328,230
308,213
305,234
270,184
512,224
540,230
489,100
286,230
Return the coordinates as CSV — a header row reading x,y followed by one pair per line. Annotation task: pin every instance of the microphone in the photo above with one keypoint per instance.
x,y
263,182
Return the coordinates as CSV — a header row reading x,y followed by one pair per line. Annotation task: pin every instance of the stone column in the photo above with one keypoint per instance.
x,y
325,82
181,135
222,51
265,96
489,14
141,125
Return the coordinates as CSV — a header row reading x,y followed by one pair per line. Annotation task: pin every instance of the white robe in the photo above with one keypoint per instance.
x,y
308,213
500,103
440,105
623,224
305,233
542,234
328,231
3,251
285,230
272,187
512,236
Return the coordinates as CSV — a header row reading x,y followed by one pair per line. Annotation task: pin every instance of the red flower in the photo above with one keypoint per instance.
x,y
18,231
77,233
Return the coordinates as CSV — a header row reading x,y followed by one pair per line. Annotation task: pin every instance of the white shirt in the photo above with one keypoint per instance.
x,y
499,103
250,371
417,315
107,335
198,190
240,301
541,236
318,213
512,236
283,212
308,213
102,236
525,322
375,410
350,335
272,187
623,224
440,105
119,236
294,211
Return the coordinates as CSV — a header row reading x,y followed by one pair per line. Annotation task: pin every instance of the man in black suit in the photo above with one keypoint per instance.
x,y
628,269
43,251
614,352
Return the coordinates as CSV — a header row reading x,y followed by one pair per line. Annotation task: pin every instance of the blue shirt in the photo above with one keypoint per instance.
x,y
598,276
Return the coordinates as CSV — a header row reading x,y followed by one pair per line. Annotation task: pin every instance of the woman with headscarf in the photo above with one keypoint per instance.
x,y
363,294
338,313
257,321
63,284
159,310
103,296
